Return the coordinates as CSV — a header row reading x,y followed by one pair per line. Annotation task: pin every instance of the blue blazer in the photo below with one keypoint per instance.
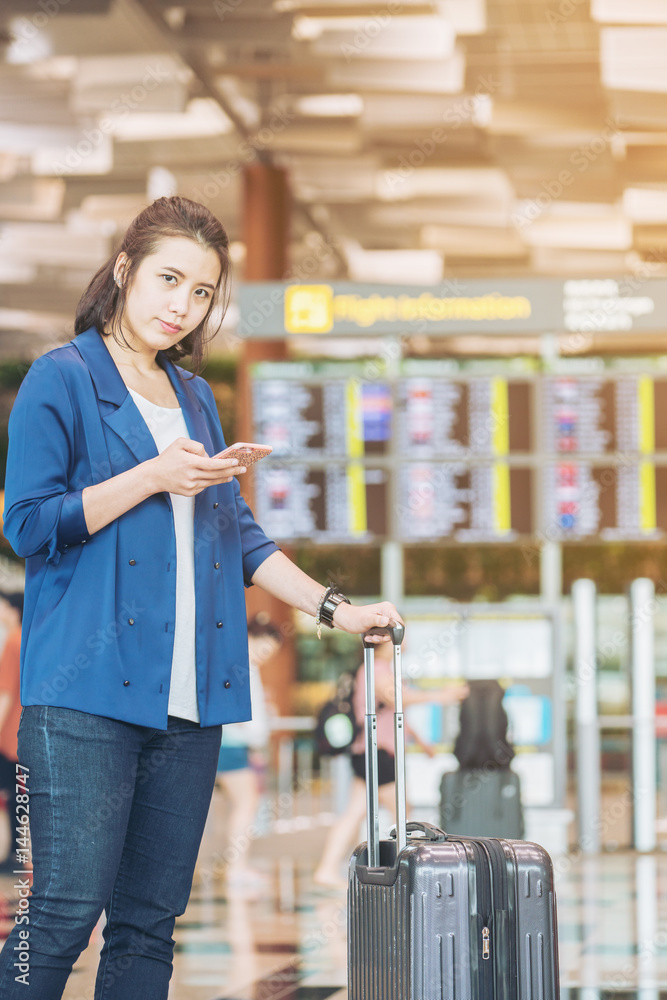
x,y
98,625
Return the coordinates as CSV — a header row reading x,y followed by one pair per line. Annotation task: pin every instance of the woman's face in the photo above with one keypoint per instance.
x,y
170,293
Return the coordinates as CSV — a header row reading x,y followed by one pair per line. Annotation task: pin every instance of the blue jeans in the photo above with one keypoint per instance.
x,y
117,813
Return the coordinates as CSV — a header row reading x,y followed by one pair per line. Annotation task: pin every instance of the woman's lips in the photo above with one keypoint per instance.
x,y
169,327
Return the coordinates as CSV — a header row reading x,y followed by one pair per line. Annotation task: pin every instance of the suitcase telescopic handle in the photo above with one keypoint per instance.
x,y
396,631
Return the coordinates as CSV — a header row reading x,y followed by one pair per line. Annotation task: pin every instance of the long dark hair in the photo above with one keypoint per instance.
x,y
482,739
103,303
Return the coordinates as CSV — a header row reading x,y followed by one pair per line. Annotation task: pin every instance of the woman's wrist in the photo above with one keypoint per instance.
x,y
340,613
328,604
149,475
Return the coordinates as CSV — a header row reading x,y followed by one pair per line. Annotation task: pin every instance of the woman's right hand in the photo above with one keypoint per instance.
x,y
185,468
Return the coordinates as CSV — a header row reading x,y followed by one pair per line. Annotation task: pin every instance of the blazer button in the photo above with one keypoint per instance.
x,y
218,624
216,505
228,684
130,621
133,562
126,683
216,565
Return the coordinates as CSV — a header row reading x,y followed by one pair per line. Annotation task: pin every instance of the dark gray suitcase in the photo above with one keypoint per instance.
x,y
437,918
482,803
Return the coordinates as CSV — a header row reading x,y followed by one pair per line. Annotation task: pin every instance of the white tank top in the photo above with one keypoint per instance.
x,y
166,424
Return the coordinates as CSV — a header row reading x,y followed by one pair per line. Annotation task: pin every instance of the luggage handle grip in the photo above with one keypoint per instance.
x,y
430,832
396,631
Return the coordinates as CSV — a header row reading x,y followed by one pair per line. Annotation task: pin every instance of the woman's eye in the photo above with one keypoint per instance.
x,y
204,293
168,276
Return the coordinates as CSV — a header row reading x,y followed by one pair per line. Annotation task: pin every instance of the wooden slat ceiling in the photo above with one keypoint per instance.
x,y
506,94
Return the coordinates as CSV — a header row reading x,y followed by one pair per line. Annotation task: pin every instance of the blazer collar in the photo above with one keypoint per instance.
x,y
108,382
110,387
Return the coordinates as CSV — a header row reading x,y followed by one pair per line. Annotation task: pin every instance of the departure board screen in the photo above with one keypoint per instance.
x,y
445,418
464,502
328,504
334,418
462,452
598,416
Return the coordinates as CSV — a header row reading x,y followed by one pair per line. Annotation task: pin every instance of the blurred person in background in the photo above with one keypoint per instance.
x,y
341,838
11,616
242,760
138,545
483,797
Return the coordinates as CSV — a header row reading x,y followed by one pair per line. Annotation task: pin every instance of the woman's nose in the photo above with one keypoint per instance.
x,y
178,303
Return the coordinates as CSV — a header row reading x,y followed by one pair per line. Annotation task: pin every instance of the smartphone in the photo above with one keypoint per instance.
x,y
246,453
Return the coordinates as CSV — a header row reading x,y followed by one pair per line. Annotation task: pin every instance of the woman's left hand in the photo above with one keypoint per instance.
x,y
359,619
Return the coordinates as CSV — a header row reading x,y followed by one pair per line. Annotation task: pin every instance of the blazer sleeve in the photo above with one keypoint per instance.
x,y
255,545
42,516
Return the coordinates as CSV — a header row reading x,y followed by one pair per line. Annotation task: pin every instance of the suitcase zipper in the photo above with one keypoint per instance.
x,y
485,904
485,914
505,963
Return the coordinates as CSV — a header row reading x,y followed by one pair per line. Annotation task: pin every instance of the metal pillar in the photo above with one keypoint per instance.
x,y
648,927
392,573
551,572
588,733
644,777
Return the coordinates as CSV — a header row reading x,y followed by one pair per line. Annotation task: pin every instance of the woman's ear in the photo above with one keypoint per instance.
x,y
120,268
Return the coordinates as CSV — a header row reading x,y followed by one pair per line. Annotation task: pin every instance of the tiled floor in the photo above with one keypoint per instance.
x,y
289,944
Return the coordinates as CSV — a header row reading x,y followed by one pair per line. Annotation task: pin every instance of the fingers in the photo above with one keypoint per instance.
x,y
221,463
194,447
217,470
211,468
221,475
390,612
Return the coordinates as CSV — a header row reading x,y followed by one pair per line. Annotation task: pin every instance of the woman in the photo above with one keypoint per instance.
x,y
134,653
342,835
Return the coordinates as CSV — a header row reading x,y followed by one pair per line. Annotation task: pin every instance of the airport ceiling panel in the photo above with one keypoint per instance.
x,y
485,136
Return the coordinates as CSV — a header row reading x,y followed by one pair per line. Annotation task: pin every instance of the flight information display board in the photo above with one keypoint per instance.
x,y
449,451
465,502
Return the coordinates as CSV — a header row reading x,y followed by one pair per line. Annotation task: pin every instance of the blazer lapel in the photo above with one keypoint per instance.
x,y
128,423
194,416
192,411
124,418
